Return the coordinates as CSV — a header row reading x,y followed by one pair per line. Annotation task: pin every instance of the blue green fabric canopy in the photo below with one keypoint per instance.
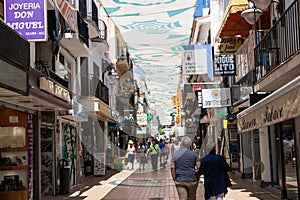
x,y
154,32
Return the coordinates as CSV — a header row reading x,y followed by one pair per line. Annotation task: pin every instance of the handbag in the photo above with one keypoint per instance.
x,y
225,175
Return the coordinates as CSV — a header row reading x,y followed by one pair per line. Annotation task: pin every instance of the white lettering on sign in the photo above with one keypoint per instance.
x,y
224,64
26,25
24,6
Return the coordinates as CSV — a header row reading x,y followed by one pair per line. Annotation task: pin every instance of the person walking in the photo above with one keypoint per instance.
x,y
154,153
141,155
162,150
184,166
175,146
213,167
131,154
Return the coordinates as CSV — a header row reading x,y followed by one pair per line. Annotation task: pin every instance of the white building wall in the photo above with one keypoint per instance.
x,y
216,13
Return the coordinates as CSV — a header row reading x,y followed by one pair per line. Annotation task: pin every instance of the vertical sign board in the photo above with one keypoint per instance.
x,y
197,88
99,165
27,17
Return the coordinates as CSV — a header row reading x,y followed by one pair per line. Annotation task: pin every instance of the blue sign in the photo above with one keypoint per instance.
x,y
80,111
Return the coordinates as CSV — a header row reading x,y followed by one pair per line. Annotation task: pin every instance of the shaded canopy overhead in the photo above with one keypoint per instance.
x,y
234,24
154,32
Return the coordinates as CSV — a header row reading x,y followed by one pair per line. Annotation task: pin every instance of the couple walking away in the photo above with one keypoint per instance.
x,y
186,168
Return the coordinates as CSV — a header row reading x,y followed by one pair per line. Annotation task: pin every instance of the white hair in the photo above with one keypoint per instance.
x,y
186,142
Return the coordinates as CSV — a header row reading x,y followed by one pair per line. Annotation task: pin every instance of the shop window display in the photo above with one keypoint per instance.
x,y
13,163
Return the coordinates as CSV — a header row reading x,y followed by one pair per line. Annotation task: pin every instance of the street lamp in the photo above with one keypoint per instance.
x,y
251,14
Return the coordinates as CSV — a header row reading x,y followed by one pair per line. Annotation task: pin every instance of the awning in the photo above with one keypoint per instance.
x,y
69,13
234,24
279,106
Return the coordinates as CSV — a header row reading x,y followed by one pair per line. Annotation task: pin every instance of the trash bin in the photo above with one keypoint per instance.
x,y
64,176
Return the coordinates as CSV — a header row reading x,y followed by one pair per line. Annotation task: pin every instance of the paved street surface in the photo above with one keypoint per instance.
x,y
155,185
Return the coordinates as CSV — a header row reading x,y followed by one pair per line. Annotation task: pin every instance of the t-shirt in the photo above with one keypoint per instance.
x,y
154,149
162,147
185,162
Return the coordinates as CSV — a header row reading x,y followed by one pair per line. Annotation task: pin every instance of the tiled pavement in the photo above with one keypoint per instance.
x,y
155,185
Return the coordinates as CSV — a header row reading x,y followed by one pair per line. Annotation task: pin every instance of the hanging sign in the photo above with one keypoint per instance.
x,y
28,18
224,65
216,97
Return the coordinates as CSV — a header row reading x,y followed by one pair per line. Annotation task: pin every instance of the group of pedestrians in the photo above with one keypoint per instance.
x,y
186,168
155,151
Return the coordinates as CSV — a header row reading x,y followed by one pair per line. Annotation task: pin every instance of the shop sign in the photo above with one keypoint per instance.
x,y
80,111
99,165
220,112
197,87
232,125
28,18
199,98
193,62
269,112
231,122
216,97
224,65
141,130
228,44
54,89
142,119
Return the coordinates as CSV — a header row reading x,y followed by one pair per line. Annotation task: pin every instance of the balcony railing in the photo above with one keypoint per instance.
x,y
280,43
102,32
100,91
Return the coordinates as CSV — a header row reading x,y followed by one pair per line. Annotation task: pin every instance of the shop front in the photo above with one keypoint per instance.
x,y
16,132
272,129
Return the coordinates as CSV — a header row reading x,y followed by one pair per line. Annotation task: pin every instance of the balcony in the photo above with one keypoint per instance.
x,y
277,55
99,37
101,92
76,42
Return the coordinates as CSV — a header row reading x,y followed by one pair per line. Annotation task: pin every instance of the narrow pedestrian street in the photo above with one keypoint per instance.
x,y
156,185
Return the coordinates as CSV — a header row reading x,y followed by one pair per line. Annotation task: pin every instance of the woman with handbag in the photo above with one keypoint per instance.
x,y
213,167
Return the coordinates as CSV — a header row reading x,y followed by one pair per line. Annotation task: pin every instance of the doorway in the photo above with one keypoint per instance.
x,y
289,183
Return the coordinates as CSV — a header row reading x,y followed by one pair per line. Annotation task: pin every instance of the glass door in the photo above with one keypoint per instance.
x,y
288,134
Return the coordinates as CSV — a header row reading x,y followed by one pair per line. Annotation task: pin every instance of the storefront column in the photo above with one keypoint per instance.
x,y
264,155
